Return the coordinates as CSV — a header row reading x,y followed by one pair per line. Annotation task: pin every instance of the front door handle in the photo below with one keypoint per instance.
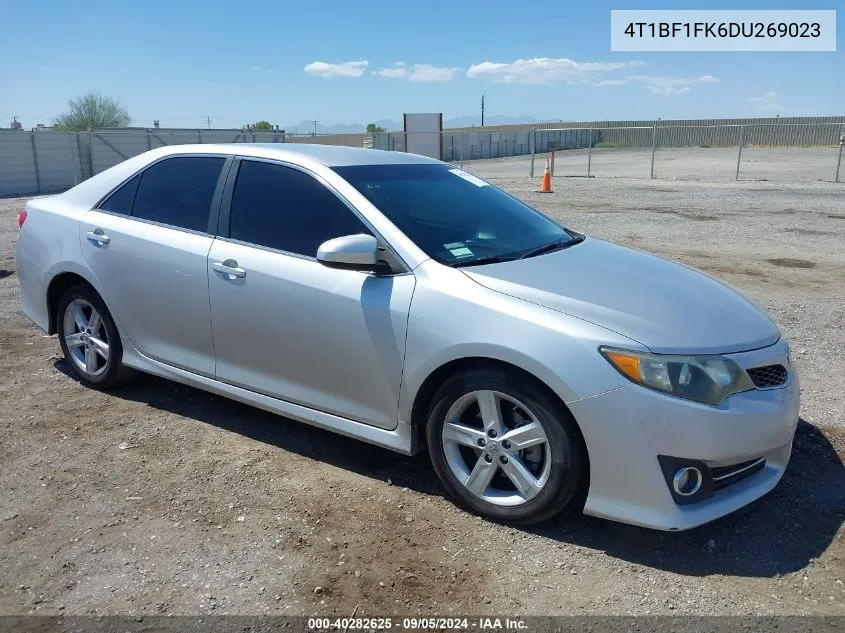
x,y
99,236
229,267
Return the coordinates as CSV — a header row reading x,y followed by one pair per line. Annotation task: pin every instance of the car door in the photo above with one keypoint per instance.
x,y
147,244
290,327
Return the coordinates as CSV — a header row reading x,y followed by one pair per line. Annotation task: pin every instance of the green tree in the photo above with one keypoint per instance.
x,y
263,125
92,110
372,128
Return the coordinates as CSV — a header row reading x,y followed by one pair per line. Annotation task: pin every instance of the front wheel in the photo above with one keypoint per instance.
x,y
505,448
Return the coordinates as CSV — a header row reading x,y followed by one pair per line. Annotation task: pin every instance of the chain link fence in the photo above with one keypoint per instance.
x,y
44,162
786,152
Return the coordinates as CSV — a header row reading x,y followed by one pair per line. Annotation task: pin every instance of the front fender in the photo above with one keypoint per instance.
x,y
452,318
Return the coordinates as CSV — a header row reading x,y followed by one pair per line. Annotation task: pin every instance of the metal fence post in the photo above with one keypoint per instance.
x,y
839,157
199,137
590,153
149,141
533,146
462,154
739,153
70,153
653,146
35,162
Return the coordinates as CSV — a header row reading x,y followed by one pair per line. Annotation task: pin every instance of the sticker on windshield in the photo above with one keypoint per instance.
x,y
460,173
458,249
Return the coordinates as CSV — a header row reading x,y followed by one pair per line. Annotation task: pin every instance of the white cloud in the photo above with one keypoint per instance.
x,y
344,69
764,98
771,107
611,82
542,70
391,73
418,72
661,84
767,102
668,91
427,72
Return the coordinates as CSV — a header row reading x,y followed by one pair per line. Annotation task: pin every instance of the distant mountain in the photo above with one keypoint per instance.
x,y
390,125
307,127
499,119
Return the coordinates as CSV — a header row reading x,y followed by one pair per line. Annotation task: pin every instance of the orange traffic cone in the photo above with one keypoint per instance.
x,y
546,183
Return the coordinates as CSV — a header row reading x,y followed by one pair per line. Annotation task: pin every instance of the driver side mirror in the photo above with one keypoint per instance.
x,y
356,252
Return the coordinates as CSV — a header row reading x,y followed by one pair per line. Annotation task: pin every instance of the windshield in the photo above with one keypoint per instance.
x,y
456,218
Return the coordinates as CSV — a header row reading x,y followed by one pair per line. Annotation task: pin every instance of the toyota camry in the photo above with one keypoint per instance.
x,y
400,301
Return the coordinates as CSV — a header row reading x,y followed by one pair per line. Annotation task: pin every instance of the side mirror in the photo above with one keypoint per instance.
x,y
358,252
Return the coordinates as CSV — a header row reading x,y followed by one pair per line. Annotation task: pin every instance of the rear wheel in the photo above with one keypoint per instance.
x,y
89,338
503,447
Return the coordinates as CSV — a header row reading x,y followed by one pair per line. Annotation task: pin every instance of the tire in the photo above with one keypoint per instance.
x,y
558,466
79,336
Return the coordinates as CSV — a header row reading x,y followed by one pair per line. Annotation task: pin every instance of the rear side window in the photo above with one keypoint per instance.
x,y
286,209
121,200
178,191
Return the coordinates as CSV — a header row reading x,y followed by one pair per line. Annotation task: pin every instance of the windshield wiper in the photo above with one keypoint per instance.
x,y
496,259
553,246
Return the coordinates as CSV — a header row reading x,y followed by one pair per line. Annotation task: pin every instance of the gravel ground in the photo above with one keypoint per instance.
x,y
163,499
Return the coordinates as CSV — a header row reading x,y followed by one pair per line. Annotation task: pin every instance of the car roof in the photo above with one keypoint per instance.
x,y
90,191
329,155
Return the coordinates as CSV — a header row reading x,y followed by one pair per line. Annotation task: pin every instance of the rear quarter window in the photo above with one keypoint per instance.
x,y
120,201
178,191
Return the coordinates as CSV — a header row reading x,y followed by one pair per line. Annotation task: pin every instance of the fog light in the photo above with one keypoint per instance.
x,y
687,481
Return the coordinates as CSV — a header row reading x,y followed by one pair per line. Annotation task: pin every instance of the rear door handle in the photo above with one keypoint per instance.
x,y
229,267
97,235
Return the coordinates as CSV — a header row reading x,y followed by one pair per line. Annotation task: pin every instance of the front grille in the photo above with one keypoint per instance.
x,y
768,376
727,475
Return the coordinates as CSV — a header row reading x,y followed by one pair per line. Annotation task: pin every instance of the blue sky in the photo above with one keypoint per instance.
x,y
239,62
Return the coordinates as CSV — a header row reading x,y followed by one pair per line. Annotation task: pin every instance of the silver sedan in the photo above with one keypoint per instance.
x,y
400,301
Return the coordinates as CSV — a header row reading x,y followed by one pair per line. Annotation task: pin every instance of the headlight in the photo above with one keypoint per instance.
x,y
707,378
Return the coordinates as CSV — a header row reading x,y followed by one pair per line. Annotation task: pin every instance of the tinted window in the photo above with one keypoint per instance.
x,y
178,191
287,209
453,216
121,200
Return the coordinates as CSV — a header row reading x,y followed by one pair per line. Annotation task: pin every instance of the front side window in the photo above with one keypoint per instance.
x,y
454,217
286,209
178,191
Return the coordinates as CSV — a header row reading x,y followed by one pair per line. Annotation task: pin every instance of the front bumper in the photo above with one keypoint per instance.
x,y
626,429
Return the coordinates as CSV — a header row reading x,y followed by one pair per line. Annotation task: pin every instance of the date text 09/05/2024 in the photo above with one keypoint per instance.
x,y
417,624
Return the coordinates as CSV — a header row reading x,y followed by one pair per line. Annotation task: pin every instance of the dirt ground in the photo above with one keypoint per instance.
x,y
161,499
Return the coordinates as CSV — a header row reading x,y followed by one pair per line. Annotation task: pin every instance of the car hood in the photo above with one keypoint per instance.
x,y
666,306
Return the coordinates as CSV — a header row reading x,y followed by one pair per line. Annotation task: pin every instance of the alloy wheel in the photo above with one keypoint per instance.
x,y
86,337
496,447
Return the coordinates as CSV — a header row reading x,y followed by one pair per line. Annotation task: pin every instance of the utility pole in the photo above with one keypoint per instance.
x,y
315,128
482,110
208,121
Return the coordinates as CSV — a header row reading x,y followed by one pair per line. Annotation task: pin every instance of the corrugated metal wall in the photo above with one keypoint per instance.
x,y
45,161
